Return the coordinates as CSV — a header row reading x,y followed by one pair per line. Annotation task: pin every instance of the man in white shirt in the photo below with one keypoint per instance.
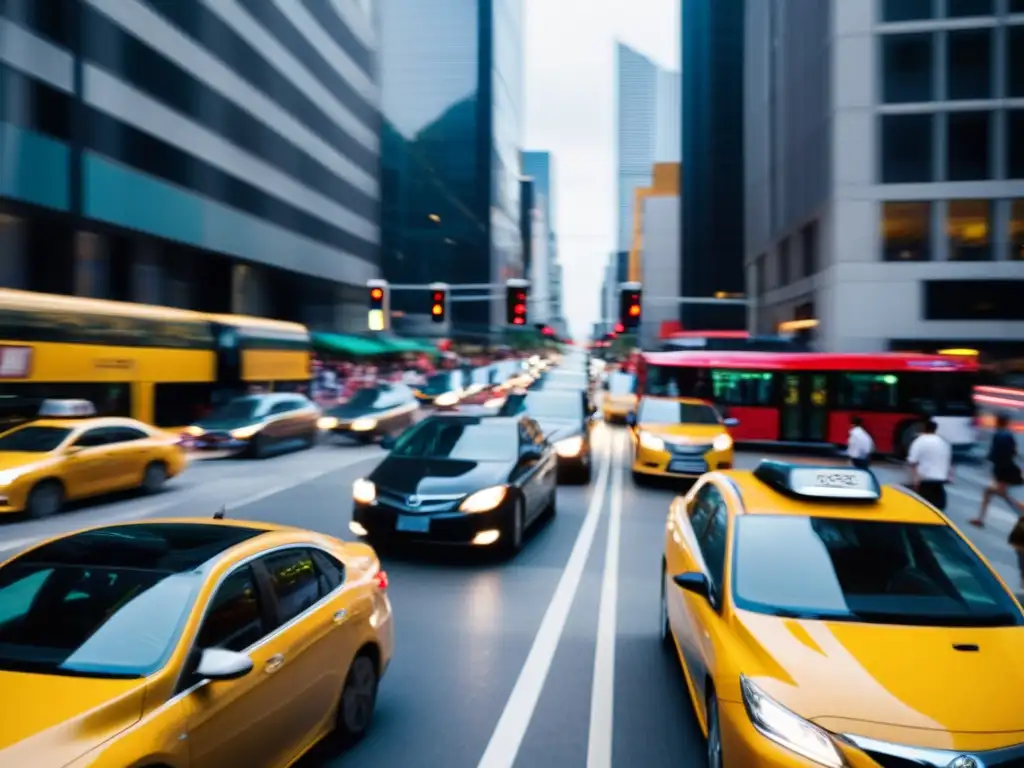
x,y
931,465
859,445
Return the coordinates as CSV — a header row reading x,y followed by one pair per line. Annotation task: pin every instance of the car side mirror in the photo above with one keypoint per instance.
x,y
388,442
695,582
630,419
71,450
730,422
219,664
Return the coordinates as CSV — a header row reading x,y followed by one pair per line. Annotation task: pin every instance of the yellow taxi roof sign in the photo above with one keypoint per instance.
x,y
820,483
66,409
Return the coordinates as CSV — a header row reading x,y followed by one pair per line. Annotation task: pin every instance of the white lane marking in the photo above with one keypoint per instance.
x,y
183,500
602,692
503,748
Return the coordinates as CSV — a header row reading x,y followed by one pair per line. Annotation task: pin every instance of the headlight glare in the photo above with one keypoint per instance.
x,y
447,399
722,443
485,500
364,491
245,432
569,447
363,425
327,422
788,729
651,442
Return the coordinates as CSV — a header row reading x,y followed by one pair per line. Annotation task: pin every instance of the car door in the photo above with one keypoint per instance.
x,y
237,722
316,611
129,450
689,523
89,467
547,471
279,428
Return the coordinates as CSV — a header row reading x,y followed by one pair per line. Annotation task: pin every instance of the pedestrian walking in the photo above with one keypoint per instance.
x,y
931,465
1006,473
859,445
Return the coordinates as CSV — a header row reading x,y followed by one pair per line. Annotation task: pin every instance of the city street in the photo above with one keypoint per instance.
x,y
522,664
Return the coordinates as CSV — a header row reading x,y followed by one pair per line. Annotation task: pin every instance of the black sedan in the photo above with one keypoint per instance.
x,y
566,420
372,413
457,479
256,425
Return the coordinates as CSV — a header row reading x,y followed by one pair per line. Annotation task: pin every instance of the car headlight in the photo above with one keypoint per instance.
x,y
245,432
651,442
327,422
485,500
447,399
363,425
722,443
495,402
8,476
363,491
569,447
194,431
787,729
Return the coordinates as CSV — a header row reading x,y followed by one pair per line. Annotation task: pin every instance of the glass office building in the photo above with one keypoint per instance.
x,y
713,149
452,104
215,156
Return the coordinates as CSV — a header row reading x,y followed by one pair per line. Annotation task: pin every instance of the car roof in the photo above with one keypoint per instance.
x,y
895,505
683,400
91,421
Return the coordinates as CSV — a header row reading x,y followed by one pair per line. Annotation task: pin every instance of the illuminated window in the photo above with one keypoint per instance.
x,y
1017,230
969,229
906,231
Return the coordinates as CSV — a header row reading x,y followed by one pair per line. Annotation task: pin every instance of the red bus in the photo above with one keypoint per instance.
x,y
808,398
732,341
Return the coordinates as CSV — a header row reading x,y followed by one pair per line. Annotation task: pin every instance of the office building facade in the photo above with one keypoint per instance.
x,y
211,155
647,128
888,211
452,104
712,206
539,166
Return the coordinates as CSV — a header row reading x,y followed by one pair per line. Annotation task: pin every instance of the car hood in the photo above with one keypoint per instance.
x,y
437,477
55,720
18,459
893,683
350,412
685,433
225,425
559,429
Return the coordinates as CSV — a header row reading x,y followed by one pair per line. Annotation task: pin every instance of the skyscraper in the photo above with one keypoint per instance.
x,y
539,165
214,156
712,159
646,128
452,104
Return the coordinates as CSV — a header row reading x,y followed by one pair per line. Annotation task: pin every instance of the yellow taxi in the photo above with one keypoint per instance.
x,y
188,643
619,398
68,453
678,438
824,620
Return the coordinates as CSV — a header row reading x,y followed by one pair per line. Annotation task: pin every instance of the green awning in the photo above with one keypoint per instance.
x,y
411,346
353,346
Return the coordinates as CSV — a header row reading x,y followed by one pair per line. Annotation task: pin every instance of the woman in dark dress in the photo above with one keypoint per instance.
x,y
1006,473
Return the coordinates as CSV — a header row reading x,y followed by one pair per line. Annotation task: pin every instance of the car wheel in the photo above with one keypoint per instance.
x,y
666,628
45,499
311,439
358,700
639,479
714,732
258,447
585,474
154,476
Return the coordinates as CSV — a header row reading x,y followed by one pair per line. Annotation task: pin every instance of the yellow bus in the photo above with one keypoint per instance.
x,y
160,365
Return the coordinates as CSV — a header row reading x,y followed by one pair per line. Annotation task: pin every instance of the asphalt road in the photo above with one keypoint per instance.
x,y
551,659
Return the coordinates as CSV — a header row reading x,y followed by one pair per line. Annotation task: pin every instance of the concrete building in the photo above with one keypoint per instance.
x,y
539,165
540,270
452,104
712,156
654,255
885,171
616,272
647,124
215,156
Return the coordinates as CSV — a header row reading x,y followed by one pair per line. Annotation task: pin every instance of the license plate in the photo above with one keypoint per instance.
x,y
686,468
413,524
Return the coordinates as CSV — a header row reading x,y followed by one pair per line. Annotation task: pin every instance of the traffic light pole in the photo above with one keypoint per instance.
x,y
450,286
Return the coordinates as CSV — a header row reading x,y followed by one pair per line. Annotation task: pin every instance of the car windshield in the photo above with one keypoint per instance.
x,y
33,439
237,410
673,412
621,384
867,571
471,440
437,384
547,405
363,398
91,621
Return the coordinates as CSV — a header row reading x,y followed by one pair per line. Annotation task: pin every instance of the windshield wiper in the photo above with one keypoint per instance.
x,y
790,613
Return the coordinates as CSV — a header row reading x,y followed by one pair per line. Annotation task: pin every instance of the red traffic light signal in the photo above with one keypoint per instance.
x,y
377,294
619,328
517,300
437,306
630,308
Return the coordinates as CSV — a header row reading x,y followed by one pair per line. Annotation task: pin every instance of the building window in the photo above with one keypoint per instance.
x,y
906,155
968,140
961,8
1017,230
1014,145
969,64
997,300
1015,60
969,229
907,71
1016,6
785,278
907,10
906,231
809,248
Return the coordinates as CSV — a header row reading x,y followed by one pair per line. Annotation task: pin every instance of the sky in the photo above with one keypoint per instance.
x,y
570,111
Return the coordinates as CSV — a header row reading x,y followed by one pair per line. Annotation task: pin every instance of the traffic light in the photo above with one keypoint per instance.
x,y
517,297
630,301
377,318
439,302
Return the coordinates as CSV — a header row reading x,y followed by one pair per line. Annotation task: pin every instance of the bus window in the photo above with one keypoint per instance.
x,y
670,381
110,399
743,388
868,392
177,405
937,394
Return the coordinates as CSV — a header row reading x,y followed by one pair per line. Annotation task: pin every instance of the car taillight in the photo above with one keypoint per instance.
x,y
382,579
